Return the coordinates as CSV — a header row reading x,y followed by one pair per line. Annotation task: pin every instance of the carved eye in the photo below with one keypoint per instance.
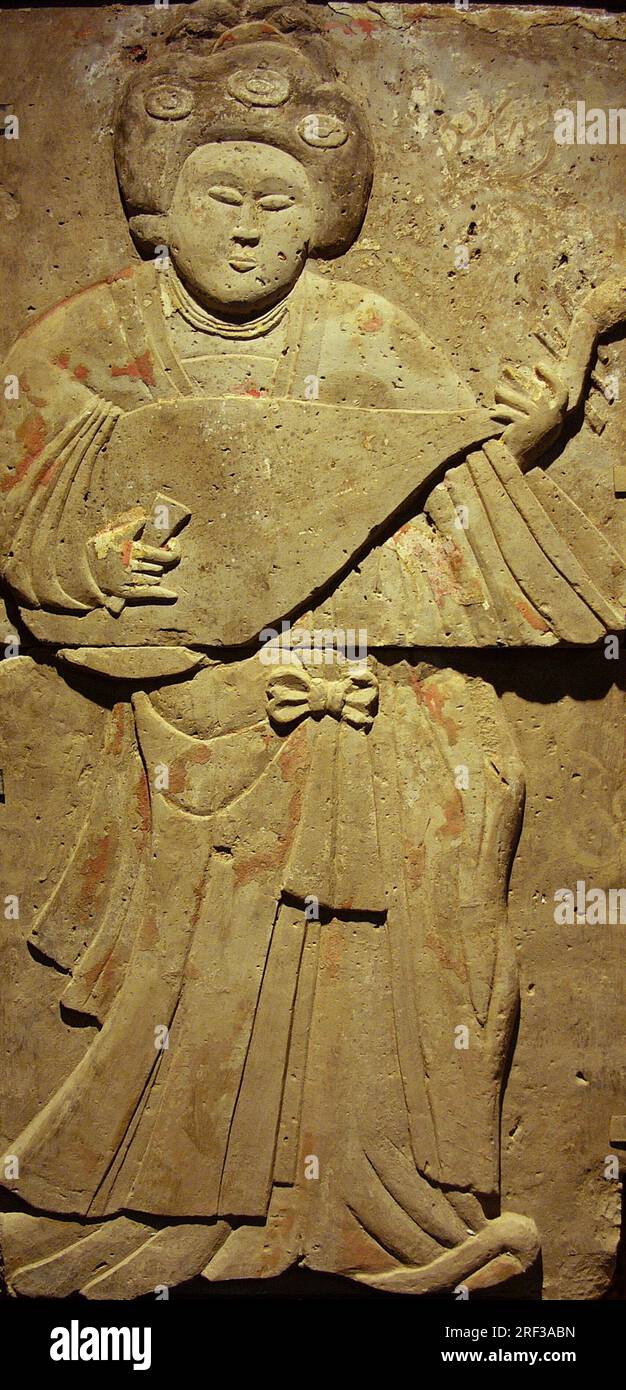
x,y
276,202
322,131
222,193
168,100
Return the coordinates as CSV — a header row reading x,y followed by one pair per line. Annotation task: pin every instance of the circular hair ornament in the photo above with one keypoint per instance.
x,y
168,100
259,87
322,131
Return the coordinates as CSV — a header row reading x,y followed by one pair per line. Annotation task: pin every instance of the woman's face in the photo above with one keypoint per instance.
x,y
239,226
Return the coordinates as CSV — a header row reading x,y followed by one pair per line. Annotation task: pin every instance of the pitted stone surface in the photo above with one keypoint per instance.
x,y
313,558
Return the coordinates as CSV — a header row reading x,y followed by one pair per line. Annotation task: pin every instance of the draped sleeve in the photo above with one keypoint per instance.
x,y
494,558
66,381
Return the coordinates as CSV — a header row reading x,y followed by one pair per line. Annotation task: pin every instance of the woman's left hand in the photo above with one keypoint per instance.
x,y
535,420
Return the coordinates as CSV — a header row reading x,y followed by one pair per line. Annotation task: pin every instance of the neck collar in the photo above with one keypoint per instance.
x,y
206,322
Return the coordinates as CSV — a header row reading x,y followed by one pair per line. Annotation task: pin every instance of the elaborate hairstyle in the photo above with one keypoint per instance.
x,y
216,78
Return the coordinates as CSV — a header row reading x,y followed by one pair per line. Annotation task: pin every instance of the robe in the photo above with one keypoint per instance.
x,y
296,950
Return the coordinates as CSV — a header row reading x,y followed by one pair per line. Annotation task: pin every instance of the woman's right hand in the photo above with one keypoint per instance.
x,y
126,568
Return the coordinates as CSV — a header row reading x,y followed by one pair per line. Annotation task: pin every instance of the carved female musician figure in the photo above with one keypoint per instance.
x,y
295,960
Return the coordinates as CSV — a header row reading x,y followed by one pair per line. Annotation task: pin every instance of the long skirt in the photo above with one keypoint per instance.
x,y
295,949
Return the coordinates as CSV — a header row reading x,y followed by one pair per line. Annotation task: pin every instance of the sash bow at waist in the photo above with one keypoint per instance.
x,y
294,692
335,853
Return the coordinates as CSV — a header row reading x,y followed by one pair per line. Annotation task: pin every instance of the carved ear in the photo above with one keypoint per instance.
x,y
148,231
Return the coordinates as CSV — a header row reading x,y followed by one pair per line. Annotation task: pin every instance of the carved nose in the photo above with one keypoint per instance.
x,y
246,234
247,229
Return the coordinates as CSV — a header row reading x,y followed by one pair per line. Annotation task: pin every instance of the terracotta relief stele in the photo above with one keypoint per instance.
x,y
283,910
